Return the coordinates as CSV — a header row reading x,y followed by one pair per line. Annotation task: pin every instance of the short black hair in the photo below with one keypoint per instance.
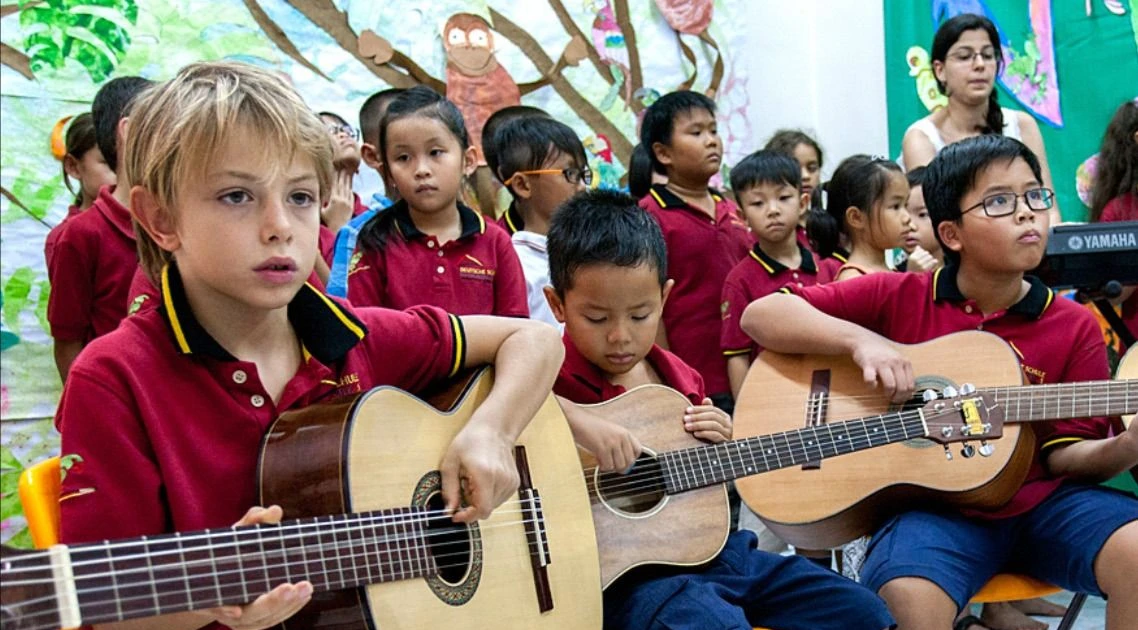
x,y
660,118
953,172
766,167
916,176
371,112
639,172
499,118
786,140
527,143
112,104
603,227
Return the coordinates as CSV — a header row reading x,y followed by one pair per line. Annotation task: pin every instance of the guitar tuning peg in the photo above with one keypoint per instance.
x,y
986,449
947,453
928,395
967,388
950,391
967,450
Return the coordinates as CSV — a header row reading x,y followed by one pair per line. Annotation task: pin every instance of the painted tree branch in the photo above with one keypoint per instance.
x,y
278,37
594,118
334,22
571,27
620,9
16,60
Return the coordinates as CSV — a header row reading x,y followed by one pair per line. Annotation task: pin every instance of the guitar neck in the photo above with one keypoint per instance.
x,y
118,580
1060,401
702,466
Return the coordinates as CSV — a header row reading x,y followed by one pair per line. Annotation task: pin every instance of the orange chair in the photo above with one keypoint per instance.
x,y
39,496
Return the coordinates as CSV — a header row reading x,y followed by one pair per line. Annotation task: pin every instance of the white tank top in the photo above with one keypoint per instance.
x,y
926,126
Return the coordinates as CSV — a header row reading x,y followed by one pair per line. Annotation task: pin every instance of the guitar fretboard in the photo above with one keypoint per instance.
x,y
703,466
1031,403
117,580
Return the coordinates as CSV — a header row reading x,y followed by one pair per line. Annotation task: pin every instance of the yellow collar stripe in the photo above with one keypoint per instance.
x,y
172,313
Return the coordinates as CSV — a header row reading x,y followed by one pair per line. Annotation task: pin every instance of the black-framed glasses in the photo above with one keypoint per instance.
x,y
1003,204
573,175
967,55
344,128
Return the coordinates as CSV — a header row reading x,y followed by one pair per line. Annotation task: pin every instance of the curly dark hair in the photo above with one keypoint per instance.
x,y
1117,172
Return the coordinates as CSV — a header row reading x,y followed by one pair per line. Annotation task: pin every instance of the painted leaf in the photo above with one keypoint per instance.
x,y
16,292
94,33
41,306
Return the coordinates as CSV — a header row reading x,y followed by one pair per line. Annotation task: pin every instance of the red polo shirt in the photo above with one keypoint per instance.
x,y
477,273
1125,208
828,267
584,383
169,424
53,234
1057,340
701,252
756,276
802,237
92,264
511,220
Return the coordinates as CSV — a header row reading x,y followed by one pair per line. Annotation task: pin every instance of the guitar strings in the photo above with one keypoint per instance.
x,y
1047,392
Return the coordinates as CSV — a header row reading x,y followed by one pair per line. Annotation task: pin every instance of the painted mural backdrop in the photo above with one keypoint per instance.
x,y
595,64
1069,64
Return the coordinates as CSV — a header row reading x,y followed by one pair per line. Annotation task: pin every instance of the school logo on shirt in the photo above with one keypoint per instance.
x,y
1034,376
136,304
347,385
473,269
723,308
354,262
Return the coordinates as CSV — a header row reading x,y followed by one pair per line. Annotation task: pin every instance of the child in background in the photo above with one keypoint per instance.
x,y
84,162
343,203
429,248
95,256
865,200
228,169
767,185
511,220
1116,189
702,228
808,153
543,164
610,281
921,247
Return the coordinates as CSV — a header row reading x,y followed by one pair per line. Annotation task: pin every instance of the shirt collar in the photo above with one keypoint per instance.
x,y
513,219
1033,305
114,212
773,266
586,374
669,200
326,330
472,222
841,254
533,240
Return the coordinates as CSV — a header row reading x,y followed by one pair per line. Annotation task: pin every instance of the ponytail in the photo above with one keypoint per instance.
x,y
994,120
375,233
824,229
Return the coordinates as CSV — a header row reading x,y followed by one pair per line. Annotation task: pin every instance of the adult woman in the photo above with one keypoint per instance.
x,y
966,57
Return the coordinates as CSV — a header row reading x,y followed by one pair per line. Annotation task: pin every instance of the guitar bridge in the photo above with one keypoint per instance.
x,y
533,520
816,407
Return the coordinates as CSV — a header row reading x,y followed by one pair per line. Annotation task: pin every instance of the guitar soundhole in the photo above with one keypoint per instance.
x,y
450,544
638,492
923,382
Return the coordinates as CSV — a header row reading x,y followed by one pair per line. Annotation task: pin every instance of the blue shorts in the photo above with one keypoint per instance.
x,y
1057,542
744,587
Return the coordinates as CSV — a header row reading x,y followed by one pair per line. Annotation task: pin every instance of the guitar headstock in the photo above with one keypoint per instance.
x,y
963,415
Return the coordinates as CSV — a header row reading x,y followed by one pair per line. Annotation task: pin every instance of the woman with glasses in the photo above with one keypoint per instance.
x,y
966,59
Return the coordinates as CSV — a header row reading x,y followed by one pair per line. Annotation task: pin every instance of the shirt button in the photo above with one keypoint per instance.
x,y
430,243
240,377
796,275
257,400
968,308
440,253
441,269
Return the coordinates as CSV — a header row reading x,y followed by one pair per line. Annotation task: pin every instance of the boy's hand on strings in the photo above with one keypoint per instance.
x,y
614,446
271,608
479,464
921,261
341,202
708,422
881,362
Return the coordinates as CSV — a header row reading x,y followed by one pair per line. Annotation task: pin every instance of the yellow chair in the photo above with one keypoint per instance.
x,y
39,496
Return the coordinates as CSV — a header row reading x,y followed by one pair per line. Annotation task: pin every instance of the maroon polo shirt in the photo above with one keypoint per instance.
x,y
511,220
1125,208
828,267
756,276
802,237
92,263
169,424
701,252
1057,340
584,383
53,234
477,273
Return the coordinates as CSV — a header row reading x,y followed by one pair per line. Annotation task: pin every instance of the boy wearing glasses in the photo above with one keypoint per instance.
x,y
990,213
343,203
543,164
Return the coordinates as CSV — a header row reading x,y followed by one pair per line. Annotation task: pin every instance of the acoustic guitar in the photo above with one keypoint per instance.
x,y
821,505
1128,369
358,481
671,506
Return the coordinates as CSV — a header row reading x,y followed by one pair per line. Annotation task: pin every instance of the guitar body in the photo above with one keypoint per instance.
x,y
685,529
381,450
1128,368
849,496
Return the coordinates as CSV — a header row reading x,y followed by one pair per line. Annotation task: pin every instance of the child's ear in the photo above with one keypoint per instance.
x,y
153,220
71,166
663,153
666,291
469,161
120,136
555,303
855,218
520,185
370,156
804,203
949,232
